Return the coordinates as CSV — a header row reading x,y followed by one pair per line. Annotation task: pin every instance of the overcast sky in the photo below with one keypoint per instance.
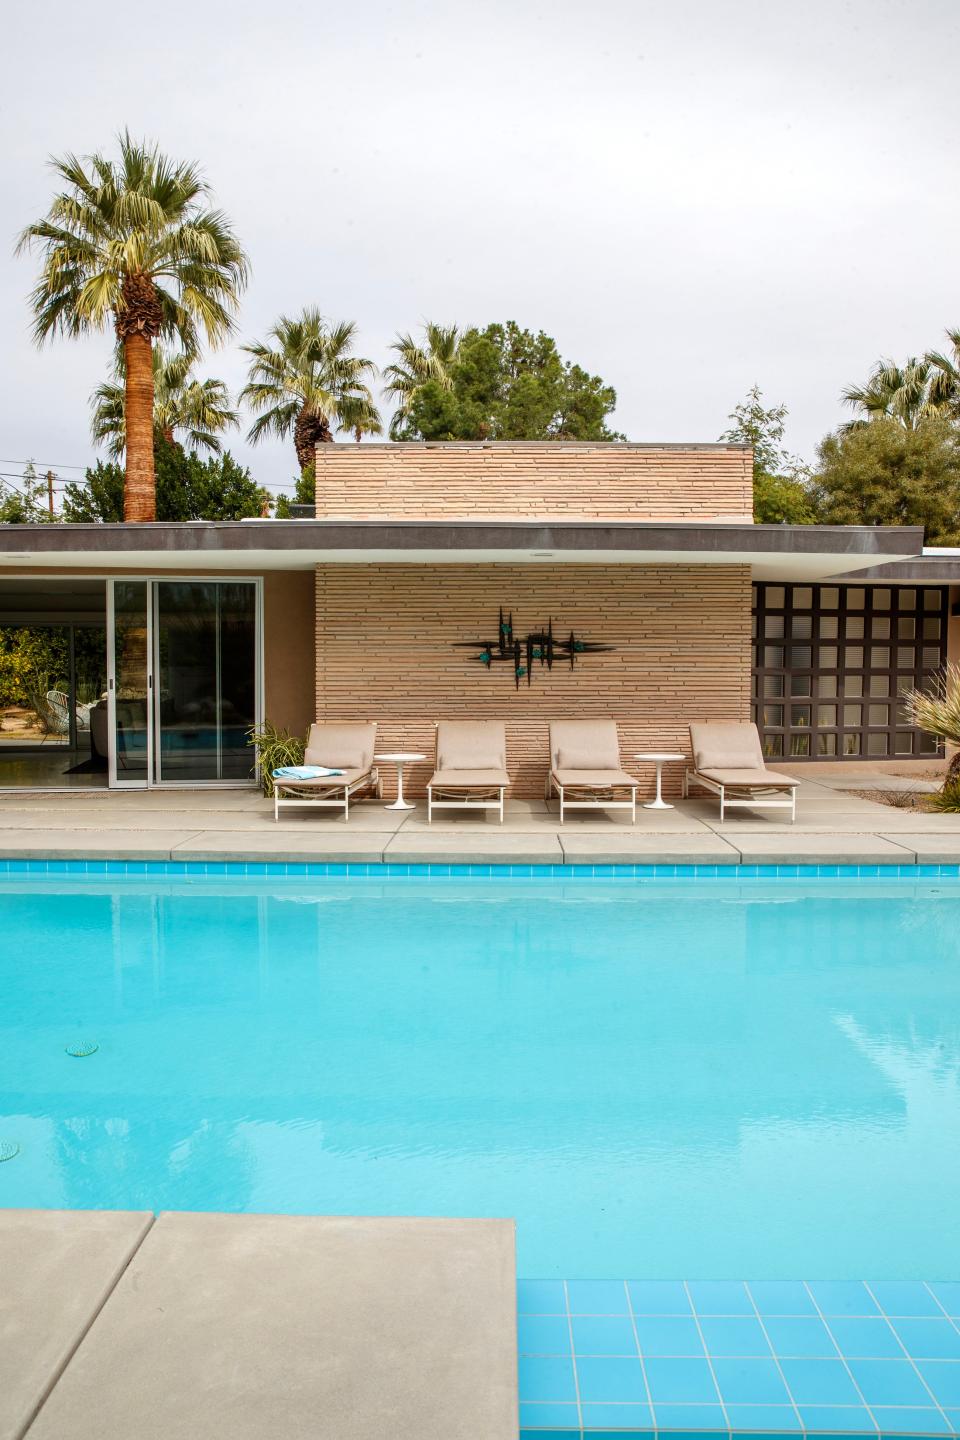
x,y
691,197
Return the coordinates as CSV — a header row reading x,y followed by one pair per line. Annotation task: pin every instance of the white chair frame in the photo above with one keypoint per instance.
x,y
318,800
595,803
482,801
746,798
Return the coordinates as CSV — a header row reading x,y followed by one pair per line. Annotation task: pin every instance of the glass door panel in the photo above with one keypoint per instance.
x,y
205,644
129,683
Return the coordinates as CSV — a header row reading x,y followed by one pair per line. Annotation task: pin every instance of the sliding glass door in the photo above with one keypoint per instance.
x,y
206,693
185,681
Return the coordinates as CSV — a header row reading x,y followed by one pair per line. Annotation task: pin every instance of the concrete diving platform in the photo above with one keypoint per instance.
x,y
115,1325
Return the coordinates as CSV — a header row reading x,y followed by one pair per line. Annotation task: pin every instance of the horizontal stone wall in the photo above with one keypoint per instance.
x,y
386,638
534,481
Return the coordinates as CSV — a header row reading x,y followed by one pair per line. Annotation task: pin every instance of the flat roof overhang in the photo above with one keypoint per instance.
x,y
774,552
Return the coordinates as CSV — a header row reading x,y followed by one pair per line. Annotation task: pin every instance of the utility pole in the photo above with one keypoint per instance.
x,y
50,492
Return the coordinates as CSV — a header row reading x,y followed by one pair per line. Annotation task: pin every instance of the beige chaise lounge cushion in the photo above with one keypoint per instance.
x,y
469,779
752,779
593,779
585,745
726,747
472,745
342,745
324,782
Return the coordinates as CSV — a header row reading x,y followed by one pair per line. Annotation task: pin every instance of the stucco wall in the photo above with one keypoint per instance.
x,y
386,638
288,648
535,481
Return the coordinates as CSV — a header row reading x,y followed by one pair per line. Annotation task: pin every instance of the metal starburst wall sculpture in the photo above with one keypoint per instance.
x,y
538,647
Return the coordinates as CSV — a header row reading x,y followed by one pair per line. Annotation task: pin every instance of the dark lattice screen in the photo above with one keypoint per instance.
x,y
830,661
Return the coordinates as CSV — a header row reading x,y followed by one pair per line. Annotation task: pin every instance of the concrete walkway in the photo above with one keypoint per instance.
x,y
833,826
115,1326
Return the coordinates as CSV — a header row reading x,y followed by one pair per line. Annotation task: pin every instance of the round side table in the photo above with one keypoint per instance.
x,y
400,758
660,758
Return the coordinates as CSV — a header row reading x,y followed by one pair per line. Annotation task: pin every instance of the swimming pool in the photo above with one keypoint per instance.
x,y
656,1078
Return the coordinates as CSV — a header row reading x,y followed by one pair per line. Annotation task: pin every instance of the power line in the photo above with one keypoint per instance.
x,y
41,464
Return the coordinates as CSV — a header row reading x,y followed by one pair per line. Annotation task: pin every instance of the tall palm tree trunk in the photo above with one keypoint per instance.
x,y
139,495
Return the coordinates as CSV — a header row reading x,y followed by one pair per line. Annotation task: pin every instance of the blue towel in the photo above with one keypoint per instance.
x,y
304,772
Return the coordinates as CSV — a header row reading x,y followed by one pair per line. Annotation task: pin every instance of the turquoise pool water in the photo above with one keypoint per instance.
x,y
656,1079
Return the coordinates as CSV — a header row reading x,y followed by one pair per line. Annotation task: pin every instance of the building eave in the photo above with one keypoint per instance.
x,y
802,552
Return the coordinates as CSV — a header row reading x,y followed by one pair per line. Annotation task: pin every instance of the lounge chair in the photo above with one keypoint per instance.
x,y
585,768
471,767
728,761
340,745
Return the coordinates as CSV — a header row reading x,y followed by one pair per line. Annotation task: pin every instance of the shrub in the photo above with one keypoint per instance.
x,y
275,748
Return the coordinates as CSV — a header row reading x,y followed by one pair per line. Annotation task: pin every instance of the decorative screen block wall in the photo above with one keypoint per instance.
x,y
387,638
556,481
830,662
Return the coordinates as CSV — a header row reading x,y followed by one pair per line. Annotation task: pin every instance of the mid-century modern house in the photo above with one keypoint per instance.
x,y
520,581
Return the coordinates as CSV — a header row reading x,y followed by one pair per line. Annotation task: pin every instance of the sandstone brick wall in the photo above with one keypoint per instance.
x,y
560,481
385,652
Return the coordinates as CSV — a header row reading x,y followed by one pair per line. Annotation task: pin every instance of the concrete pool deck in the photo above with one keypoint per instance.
x,y
833,826
119,1325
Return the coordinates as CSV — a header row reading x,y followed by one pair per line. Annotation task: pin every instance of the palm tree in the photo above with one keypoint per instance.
x,y
945,379
135,243
304,380
894,392
361,417
432,360
199,409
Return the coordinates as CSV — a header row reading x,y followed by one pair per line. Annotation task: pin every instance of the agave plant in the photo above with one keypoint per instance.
x,y
938,712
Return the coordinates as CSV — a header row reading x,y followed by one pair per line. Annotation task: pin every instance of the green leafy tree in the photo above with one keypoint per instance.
x,y
27,505
884,473
781,489
511,384
304,380
197,410
416,364
188,488
135,244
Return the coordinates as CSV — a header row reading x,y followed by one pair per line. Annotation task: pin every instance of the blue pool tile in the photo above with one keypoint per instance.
x,y
541,1417
904,1297
746,1382
603,1335
953,1416
900,1421
618,1380
528,1433
674,1335
800,1336
929,1339
541,1297
842,1297
837,1419
729,1335
866,1339
602,1418
597,1297
720,1297
943,1378
757,1420
680,1382
781,1297
948,1294
819,1382
889,1382
543,1335
658,1297
691,1419
544,1378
